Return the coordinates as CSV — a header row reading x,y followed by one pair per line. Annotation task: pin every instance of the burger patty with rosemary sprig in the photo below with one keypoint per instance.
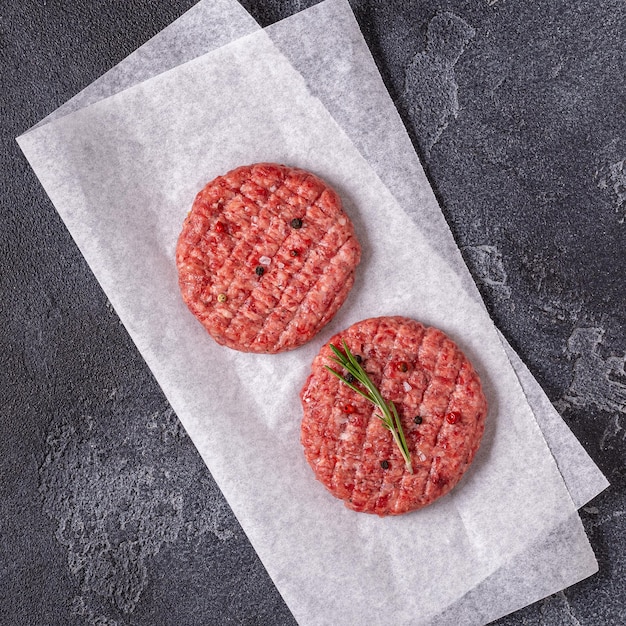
x,y
266,257
394,413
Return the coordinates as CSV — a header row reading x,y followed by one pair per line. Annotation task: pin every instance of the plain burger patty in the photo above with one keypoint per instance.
x,y
266,257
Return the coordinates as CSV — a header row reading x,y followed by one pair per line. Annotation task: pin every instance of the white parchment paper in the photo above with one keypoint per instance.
x,y
156,161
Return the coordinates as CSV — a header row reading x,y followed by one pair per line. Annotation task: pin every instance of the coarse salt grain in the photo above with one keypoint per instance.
x,y
406,386
265,260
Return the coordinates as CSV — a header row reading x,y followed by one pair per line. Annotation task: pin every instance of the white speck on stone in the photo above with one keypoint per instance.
x,y
488,264
265,260
598,380
611,176
406,386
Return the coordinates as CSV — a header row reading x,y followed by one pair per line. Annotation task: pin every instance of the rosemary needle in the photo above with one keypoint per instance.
x,y
389,417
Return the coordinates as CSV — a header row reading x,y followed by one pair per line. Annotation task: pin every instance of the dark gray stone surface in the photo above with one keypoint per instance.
x,y
518,113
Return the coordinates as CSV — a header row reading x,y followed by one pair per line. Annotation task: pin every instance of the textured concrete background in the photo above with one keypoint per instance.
x,y
518,113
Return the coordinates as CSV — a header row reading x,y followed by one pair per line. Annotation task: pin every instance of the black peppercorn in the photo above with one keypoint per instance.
x,y
417,419
260,270
296,223
384,464
358,358
349,378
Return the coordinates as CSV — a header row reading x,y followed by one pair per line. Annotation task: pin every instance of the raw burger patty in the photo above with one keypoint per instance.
x,y
441,406
266,257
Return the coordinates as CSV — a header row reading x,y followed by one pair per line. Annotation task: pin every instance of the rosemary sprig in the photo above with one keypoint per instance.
x,y
389,417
